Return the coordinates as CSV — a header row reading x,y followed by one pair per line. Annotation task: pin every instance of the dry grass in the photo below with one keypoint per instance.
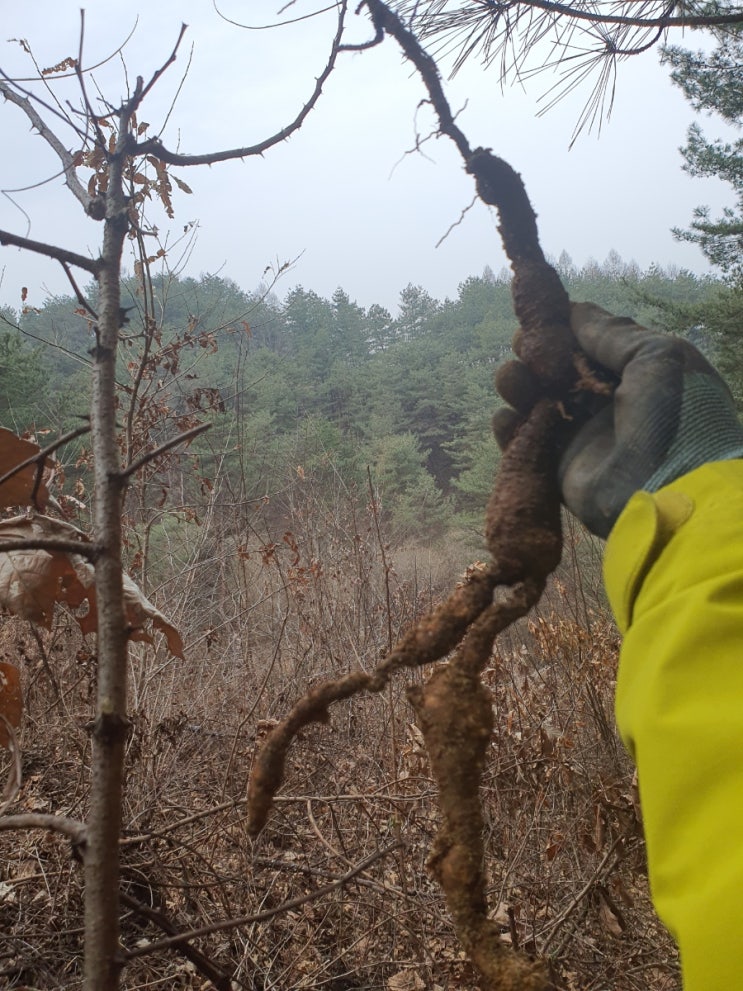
x,y
264,617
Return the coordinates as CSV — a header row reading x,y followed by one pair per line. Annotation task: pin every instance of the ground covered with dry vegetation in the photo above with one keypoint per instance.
x,y
335,892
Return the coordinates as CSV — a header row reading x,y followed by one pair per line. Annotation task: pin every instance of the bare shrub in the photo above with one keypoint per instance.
x,y
565,853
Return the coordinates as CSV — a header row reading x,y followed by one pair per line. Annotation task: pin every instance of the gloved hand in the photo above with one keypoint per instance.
x,y
670,413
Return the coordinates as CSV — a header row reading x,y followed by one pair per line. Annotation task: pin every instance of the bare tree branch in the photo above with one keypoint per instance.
x,y
556,923
72,828
90,113
244,920
78,292
53,545
163,68
273,24
155,146
61,255
66,158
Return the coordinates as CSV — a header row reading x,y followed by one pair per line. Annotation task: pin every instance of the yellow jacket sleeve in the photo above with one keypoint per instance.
x,y
674,575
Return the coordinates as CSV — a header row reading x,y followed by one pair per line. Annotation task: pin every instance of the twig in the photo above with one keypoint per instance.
x,y
68,163
272,24
244,920
234,803
383,555
393,753
569,909
203,964
90,113
78,292
257,696
456,223
173,442
326,843
160,833
171,59
45,662
293,868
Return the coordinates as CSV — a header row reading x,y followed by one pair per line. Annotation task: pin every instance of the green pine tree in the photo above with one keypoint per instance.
x,y
713,83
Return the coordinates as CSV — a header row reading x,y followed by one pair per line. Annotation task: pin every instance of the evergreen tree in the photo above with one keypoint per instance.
x,y
21,378
713,83
411,503
417,308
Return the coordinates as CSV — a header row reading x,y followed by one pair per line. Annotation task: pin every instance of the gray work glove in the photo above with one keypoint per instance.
x,y
670,413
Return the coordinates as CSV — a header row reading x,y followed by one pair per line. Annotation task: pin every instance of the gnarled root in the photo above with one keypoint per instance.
x,y
455,715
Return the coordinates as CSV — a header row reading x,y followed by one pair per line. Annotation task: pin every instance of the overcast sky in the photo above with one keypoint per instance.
x,y
342,197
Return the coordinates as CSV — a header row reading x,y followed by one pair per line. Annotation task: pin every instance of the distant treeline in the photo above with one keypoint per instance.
x,y
318,389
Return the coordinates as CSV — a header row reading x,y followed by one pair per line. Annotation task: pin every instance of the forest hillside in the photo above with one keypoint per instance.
x,y
354,397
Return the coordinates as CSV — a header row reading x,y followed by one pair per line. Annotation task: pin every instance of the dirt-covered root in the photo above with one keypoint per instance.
x,y
522,524
454,712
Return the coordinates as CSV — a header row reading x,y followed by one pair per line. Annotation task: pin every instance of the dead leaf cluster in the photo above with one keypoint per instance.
x,y
37,577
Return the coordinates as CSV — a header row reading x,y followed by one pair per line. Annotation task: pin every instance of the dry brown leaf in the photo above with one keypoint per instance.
x,y
139,610
406,980
610,918
16,491
11,700
33,581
